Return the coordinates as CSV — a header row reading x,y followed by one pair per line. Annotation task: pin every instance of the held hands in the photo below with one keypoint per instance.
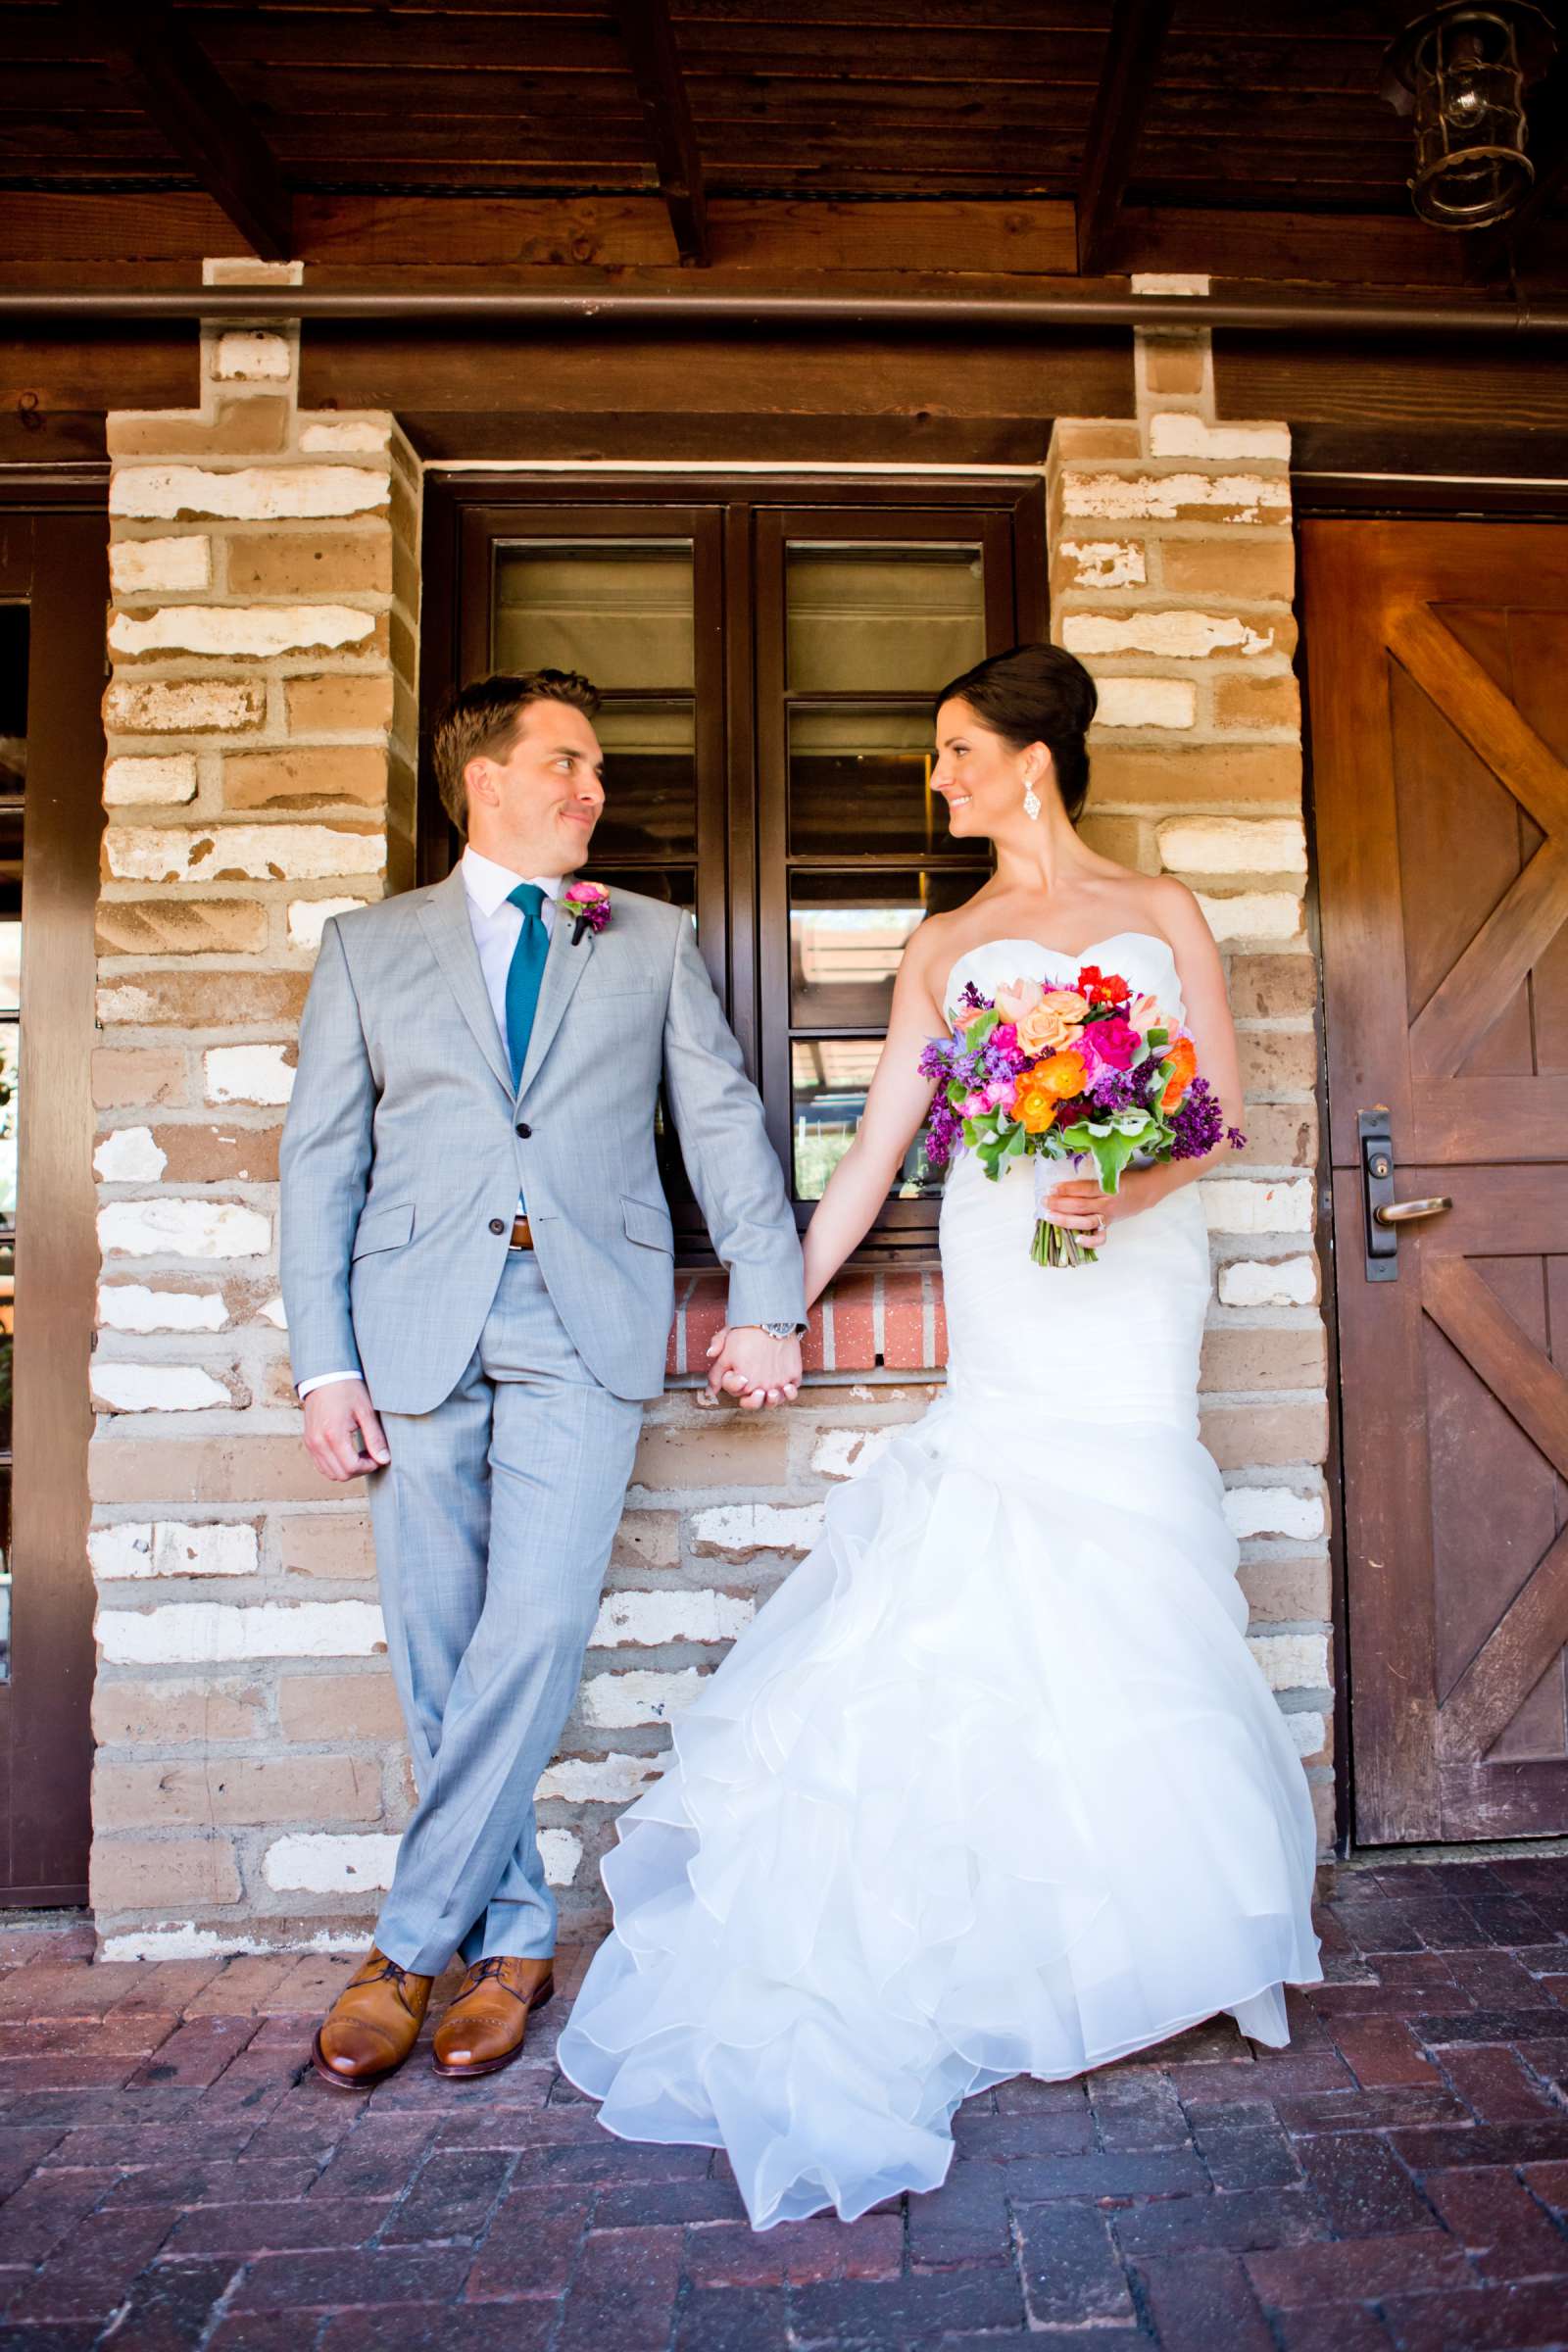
x,y
743,1362
335,1417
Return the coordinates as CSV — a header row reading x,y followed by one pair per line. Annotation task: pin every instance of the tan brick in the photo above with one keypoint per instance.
x,y
1277,1061
1175,363
647,1540
219,1154
235,1788
215,1469
313,563
180,926
304,778
1243,1436
1271,988
151,1874
733,1453
1130,840
134,1714
1240,702
1095,437
338,1706
333,1544
1288,1591
1279,1134
1264,1356
205,999
1250,775
1223,566
339,704
1323,1812
129,1074
253,426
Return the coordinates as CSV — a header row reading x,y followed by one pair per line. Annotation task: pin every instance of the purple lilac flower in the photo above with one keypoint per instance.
x,y
1199,1124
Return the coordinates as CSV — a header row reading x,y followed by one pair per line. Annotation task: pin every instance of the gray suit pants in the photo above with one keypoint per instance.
x,y
493,1526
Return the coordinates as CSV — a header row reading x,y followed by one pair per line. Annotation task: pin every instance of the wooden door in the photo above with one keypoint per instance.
x,y
1438,655
52,593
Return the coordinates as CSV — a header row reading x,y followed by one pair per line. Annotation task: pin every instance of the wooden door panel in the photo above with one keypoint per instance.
x,y
1441,772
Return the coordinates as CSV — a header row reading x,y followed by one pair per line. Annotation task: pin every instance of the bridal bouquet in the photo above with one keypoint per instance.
x,y
1058,1073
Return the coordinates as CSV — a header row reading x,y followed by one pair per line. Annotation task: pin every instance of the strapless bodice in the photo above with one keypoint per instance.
x,y
1143,958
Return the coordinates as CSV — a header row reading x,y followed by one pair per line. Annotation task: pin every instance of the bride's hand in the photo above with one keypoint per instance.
x,y
1079,1202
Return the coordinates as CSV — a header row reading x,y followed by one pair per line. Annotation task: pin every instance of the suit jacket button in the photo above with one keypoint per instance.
x,y
498,1224
523,1129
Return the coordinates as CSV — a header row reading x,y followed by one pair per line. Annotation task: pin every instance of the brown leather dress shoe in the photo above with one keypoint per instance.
x,y
372,2024
484,2028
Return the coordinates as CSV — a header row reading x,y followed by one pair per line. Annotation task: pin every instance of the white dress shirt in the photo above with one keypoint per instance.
x,y
496,925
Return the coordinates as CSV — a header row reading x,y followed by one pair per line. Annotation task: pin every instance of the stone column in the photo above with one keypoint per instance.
x,y
262,724
1172,577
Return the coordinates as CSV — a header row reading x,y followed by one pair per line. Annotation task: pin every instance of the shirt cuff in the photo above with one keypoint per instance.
x,y
319,1379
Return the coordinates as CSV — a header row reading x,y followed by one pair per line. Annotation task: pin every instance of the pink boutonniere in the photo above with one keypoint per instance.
x,y
590,904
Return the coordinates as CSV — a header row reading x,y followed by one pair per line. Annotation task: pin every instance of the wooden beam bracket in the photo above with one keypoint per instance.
x,y
650,39
198,114
1133,48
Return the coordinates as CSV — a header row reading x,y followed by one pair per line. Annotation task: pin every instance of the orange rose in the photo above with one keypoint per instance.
x,y
1064,1074
1053,1022
1183,1059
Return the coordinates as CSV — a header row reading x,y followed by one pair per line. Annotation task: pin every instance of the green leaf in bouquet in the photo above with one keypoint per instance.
x,y
980,1029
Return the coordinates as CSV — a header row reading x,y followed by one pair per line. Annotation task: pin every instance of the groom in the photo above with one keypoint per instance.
x,y
477,1273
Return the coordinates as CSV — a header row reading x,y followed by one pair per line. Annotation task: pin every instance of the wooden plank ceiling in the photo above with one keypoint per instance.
x,y
1103,125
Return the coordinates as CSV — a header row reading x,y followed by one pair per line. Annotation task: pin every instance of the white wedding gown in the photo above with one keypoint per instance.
x,y
992,1785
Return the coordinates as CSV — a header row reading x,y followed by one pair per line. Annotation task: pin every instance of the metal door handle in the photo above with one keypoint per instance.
x,y
1409,1212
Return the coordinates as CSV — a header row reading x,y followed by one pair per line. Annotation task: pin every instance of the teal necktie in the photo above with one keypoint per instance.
x,y
525,972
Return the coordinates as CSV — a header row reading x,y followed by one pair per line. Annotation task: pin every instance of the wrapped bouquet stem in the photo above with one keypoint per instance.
x,y
1091,1072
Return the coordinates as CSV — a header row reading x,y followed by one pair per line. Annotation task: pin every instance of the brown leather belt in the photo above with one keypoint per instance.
x,y
522,1234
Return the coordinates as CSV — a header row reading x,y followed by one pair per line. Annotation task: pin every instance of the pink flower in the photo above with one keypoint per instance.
x,y
1004,1038
590,904
1145,1014
1112,1042
1000,1094
973,1104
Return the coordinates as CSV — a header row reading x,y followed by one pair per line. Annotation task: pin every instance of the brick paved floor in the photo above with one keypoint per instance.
x,y
1398,2176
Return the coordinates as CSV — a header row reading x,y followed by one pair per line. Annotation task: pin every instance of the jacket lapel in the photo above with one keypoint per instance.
x,y
444,917
564,966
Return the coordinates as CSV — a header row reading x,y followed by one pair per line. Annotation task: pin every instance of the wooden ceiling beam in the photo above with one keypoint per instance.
x,y
650,39
1133,48
182,91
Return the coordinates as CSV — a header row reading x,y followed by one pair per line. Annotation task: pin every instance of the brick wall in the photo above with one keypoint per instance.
x,y
251,1779
260,719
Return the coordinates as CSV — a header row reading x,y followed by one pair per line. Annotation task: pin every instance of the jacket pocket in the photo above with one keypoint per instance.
x,y
384,1229
648,1225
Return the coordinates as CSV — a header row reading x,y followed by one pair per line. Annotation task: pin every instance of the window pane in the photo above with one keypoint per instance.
x,y
861,780
622,614
868,620
13,697
650,781
830,1076
676,884
847,936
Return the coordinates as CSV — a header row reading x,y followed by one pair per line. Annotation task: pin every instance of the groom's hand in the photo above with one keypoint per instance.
x,y
743,1362
335,1417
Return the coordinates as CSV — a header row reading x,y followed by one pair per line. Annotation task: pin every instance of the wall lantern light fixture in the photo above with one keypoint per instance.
x,y
1462,72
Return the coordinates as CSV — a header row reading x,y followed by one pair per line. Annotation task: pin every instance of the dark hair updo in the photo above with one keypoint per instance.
x,y
1036,694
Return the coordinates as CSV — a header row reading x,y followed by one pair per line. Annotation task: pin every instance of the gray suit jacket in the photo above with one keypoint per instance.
x,y
402,1164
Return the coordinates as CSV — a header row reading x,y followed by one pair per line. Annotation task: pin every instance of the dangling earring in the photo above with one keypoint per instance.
x,y
1031,804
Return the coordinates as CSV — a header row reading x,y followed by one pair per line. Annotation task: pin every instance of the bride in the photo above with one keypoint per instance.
x,y
992,1785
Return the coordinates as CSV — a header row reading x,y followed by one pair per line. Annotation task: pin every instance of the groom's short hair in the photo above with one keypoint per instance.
x,y
480,721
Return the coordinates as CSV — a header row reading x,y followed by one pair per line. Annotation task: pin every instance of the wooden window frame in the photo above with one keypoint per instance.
x,y
738,526
54,555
